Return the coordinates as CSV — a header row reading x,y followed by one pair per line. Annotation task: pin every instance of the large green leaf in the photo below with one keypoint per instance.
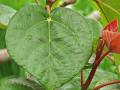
x,y
5,15
52,47
111,8
96,27
11,83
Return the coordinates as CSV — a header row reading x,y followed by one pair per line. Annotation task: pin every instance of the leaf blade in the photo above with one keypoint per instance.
x,y
48,46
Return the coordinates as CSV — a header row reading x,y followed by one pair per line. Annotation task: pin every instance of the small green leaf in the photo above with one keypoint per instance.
x,y
52,47
5,15
95,27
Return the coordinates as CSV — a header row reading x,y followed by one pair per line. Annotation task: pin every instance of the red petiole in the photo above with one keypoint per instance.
x,y
106,84
98,59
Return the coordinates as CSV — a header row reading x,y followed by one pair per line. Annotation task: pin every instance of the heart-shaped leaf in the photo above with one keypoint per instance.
x,y
52,47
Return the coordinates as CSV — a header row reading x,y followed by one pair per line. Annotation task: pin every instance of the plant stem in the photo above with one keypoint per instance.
x,y
67,2
110,58
47,7
49,4
82,78
106,84
100,59
99,49
37,2
92,73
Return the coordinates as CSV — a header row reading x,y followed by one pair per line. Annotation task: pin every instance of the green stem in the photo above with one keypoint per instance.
x,y
97,1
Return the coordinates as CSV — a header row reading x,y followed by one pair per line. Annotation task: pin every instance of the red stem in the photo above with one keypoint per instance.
x,y
92,73
99,49
110,58
67,2
106,84
82,78
49,4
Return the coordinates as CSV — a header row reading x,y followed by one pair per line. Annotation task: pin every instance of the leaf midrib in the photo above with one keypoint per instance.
x,y
49,32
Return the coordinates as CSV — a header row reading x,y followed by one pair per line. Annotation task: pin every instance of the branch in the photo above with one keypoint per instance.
x,y
82,78
67,2
106,84
110,58
93,71
49,4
